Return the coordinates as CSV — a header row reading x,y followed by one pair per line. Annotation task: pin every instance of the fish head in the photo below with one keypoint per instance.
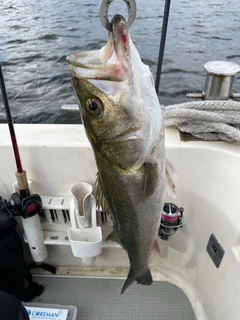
x,y
117,100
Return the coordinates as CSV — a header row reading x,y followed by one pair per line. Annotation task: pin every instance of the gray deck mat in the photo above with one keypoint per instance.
x,y
101,299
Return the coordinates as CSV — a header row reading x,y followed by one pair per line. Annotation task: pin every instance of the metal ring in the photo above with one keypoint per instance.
x,y
103,13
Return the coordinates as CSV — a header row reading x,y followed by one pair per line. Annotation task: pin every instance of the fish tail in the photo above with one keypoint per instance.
x,y
144,279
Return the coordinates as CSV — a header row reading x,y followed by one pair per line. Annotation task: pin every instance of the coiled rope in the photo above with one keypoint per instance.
x,y
207,120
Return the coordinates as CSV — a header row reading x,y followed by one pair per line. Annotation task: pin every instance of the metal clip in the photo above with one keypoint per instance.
x,y
103,13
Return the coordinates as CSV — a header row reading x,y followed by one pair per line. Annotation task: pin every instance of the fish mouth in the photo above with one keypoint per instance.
x,y
120,37
110,62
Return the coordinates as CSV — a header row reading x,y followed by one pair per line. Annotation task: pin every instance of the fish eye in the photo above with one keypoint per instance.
x,y
94,107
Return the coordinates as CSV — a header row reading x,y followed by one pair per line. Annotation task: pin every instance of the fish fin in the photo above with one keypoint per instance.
x,y
128,282
156,249
150,180
171,178
113,237
144,279
100,198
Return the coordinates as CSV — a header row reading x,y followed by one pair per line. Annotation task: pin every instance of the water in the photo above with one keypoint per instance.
x,y
36,36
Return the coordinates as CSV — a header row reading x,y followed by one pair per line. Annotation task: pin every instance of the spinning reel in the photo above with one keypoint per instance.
x,y
171,220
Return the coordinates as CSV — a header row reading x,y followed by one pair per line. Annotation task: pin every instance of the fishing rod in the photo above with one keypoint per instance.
x,y
21,174
27,206
162,44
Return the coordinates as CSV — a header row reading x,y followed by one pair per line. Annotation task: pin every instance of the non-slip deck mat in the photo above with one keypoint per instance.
x,y
100,299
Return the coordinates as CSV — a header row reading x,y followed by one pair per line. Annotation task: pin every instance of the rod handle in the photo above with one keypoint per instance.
x,y
22,180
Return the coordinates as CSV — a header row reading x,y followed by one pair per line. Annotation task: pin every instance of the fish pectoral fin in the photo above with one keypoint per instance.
x,y
150,179
156,249
144,279
113,237
100,198
171,178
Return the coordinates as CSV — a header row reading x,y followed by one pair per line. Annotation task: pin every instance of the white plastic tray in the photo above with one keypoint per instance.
x,y
72,310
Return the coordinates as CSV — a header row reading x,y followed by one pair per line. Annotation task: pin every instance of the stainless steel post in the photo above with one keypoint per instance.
x,y
219,80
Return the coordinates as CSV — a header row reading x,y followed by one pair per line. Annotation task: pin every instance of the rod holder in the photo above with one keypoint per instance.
x,y
33,232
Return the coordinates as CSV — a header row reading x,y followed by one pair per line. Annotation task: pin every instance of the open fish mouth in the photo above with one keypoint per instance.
x,y
89,65
108,63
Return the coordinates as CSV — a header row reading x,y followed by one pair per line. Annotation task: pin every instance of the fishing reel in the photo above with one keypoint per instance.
x,y
26,207
171,220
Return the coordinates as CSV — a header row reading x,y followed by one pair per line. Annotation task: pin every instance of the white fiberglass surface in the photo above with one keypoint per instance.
x,y
56,157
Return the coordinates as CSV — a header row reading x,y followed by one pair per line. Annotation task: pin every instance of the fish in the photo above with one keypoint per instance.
x,y
123,121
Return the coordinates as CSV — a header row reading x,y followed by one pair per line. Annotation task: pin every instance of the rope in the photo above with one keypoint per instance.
x,y
207,120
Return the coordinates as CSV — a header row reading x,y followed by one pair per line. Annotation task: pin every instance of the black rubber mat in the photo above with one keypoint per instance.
x,y
101,299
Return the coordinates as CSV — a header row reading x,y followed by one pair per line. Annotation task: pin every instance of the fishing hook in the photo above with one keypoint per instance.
x,y
103,13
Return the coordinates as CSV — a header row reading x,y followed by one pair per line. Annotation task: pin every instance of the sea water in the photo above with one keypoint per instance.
x,y
36,36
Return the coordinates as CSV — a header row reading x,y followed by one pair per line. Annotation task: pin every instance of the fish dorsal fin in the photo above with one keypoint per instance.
x,y
100,198
171,178
114,237
150,179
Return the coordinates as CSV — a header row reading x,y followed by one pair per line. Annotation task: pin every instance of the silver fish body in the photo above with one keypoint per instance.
x,y
123,121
